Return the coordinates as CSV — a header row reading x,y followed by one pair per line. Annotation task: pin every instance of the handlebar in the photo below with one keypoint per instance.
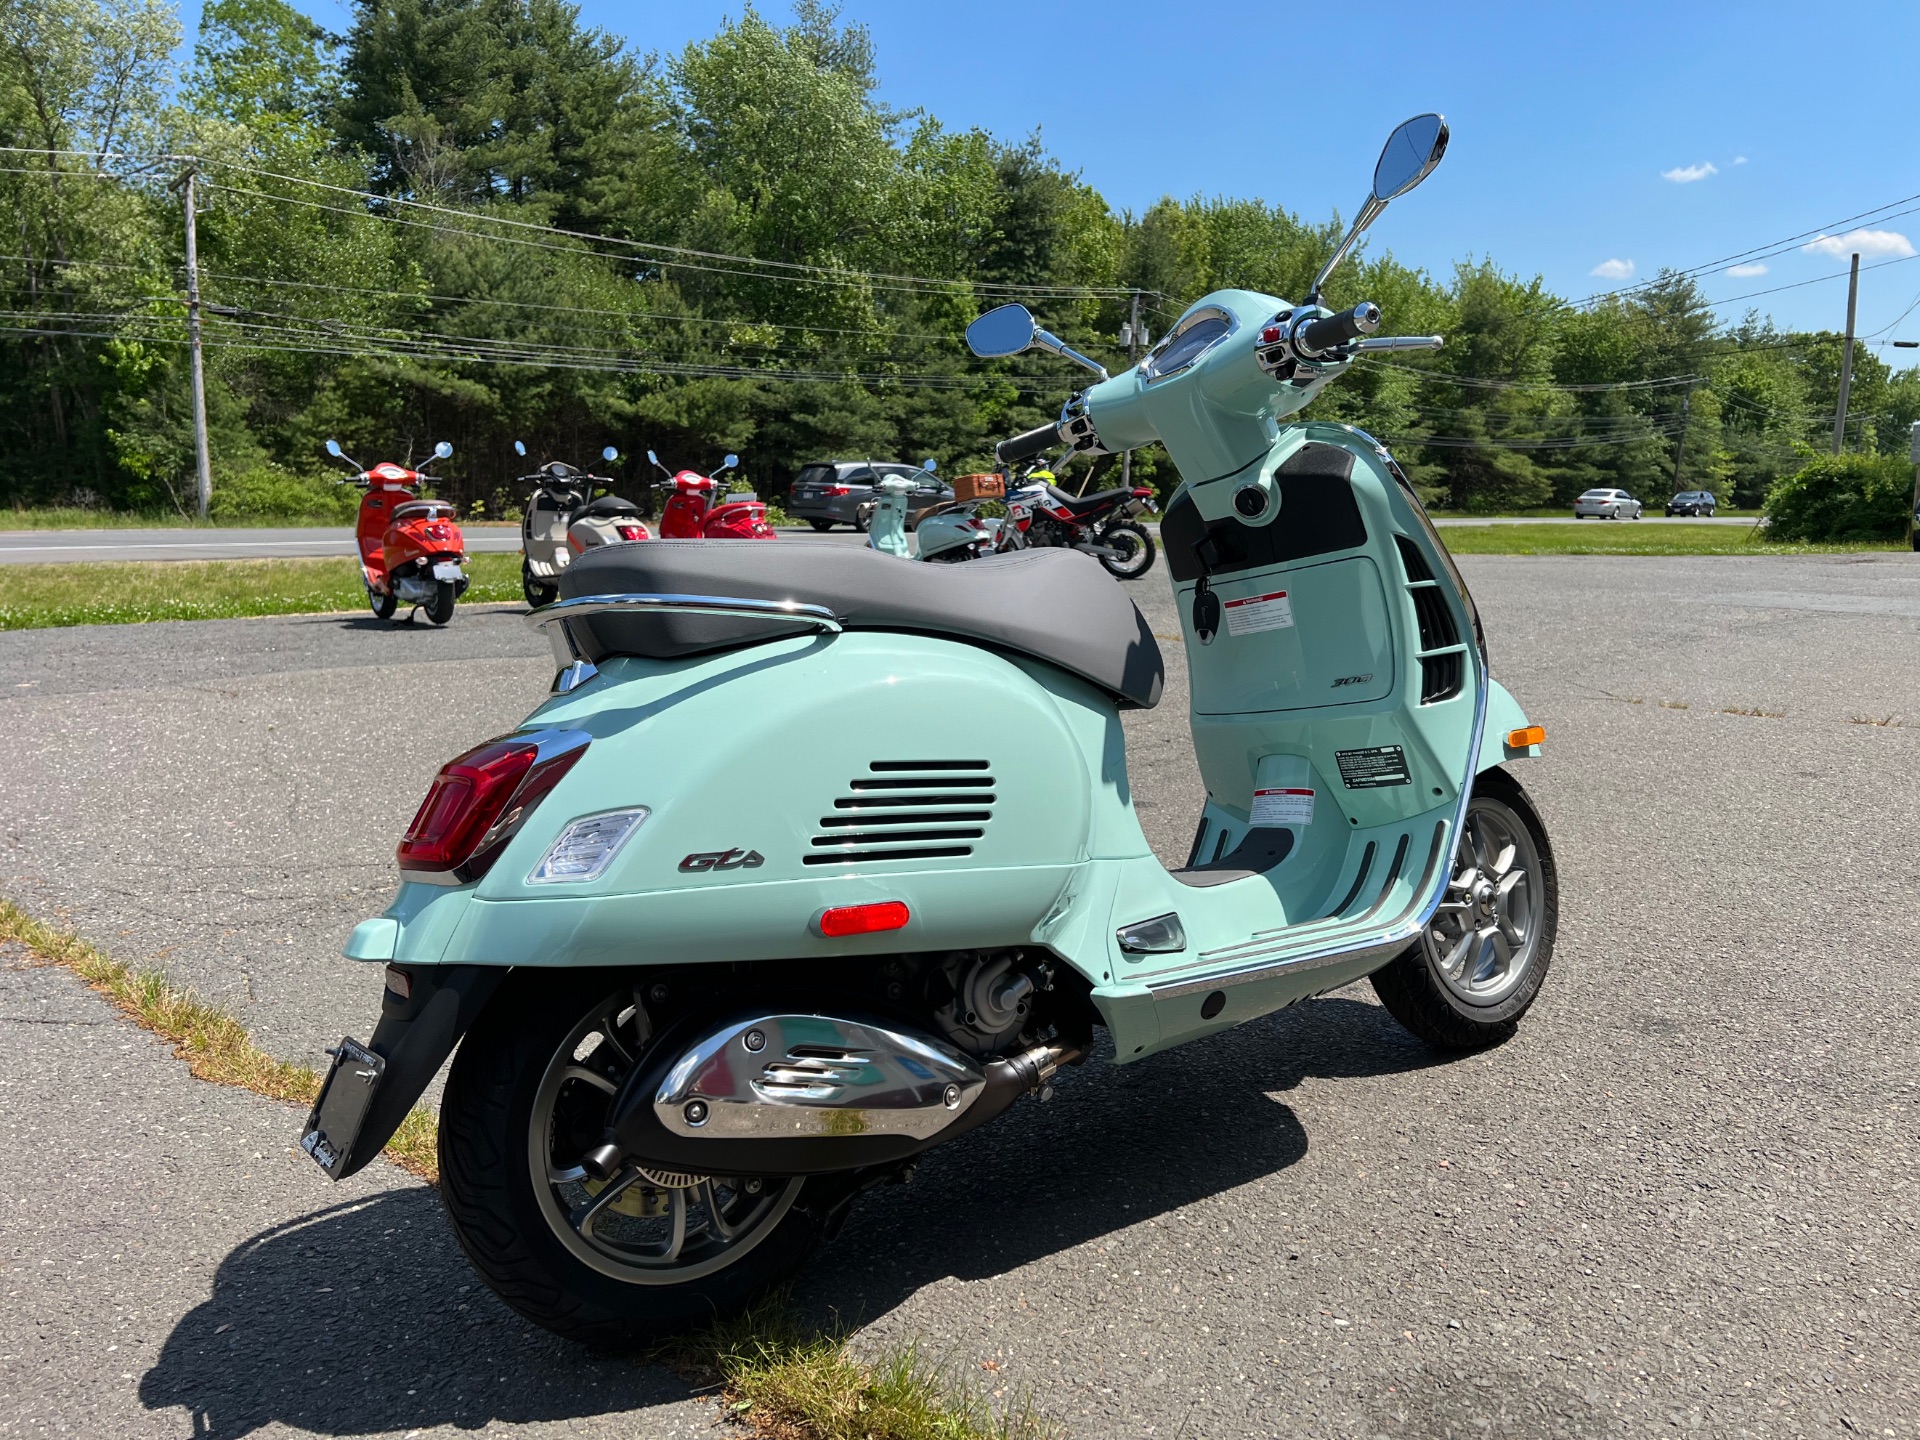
x,y
1025,447
1316,337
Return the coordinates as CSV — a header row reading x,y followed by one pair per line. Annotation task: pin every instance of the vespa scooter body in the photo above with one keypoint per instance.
x,y
408,545
691,513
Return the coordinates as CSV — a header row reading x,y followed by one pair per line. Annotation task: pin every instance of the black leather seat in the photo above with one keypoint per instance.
x,y
606,507
1083,504
1056,605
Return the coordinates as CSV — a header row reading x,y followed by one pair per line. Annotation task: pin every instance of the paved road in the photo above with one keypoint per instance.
x,y
1682,1198
41,547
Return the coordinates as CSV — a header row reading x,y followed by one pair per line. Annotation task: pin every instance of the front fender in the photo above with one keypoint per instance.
x,y
1504,716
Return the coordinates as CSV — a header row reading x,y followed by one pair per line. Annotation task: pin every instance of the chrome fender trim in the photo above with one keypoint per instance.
x,y
788,1076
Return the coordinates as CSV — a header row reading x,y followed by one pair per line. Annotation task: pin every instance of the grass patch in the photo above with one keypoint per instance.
x,y
790,1382
35,597
1610,537
214,1044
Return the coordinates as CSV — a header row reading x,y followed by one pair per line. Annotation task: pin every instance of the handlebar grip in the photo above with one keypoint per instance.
x,y
1025,447
1319,336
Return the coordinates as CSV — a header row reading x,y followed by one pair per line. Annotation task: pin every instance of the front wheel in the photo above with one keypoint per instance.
x,y
1134,546
440,608
610,1263
1479,964
538,592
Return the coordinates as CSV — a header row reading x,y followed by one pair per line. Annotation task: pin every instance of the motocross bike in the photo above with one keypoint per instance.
x,y
702,1004
564,517
1040,513
699,510
410,549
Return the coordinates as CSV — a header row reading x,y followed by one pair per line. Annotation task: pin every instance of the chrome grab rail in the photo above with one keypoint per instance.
x,y
793,610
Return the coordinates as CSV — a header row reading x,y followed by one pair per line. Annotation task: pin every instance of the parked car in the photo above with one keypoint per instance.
x,y
833,492
1606,505
1692,502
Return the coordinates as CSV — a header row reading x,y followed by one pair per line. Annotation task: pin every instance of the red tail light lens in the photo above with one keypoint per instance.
x,y
839,489
632,532
863,919
479,801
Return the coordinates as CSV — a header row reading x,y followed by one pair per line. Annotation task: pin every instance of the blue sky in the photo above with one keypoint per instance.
x,y
1655,134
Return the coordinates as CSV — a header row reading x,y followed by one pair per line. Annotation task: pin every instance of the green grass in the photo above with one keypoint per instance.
x,y
35,597
1607,537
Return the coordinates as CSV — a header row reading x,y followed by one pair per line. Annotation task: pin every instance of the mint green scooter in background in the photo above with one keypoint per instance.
x,y
703,1001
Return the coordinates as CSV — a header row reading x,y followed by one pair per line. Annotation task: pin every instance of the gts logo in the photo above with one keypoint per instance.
x,y
1350,680
723,860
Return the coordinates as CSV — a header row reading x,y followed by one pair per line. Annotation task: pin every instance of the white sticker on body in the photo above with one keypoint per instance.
x,y
1282,807
1259,612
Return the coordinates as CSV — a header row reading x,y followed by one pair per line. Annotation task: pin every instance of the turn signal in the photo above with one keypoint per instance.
x,y
479,801
1526,736
862,919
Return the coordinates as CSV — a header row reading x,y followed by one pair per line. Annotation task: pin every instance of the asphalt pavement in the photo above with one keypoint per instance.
x,y
44,547
1682,1198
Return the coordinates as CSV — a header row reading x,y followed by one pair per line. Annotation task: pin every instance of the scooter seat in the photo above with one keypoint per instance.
x,y
1055,605
605,507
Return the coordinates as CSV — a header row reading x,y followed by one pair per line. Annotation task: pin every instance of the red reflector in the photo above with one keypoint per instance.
x,y
632,532
476,804
862,919
1270,335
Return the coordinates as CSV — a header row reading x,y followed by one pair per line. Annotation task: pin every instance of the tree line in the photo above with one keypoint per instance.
x,y
481,221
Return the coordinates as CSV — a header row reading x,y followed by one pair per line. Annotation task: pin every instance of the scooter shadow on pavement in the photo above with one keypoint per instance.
x,y
1113,1148
363,1319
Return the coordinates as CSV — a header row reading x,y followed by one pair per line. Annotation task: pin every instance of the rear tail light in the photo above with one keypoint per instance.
x,y
479,801
632,532
839,489
862,919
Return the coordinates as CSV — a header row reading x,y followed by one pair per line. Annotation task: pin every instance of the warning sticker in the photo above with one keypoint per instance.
x,y
1372,768
1283,807
1259,612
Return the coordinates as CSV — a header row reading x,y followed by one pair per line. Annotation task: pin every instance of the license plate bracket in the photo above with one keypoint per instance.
x,y
447,570
334,1124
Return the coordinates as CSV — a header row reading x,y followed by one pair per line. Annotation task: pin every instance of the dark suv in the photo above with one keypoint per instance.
x,y
833,492
1692,502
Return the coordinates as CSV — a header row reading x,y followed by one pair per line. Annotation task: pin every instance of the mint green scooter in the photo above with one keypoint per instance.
x,y
703,1001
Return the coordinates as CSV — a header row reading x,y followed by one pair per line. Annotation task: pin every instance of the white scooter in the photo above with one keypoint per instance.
x,y
563,518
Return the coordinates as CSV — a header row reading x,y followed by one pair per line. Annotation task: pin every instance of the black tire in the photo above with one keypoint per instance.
x,y
440,608
1413,988
821,525
1135,545
382,606
862,519
490,1193
538,592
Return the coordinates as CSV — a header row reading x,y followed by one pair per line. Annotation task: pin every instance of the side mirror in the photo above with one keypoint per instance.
x,y
1409,156
729,462
442,450
652,459
519,449
609,454
1004,330
927,465
333,449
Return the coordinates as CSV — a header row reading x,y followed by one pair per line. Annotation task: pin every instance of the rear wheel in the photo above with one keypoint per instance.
x,y
1479,964
440,608
1134,547
821,525
611,1263
538,592
863,518
382,606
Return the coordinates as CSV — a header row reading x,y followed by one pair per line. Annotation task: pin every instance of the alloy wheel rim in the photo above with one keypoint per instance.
x,y
644,1226
1485,934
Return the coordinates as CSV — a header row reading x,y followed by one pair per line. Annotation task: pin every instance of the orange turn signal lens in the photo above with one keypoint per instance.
x,y
1526,736
862,919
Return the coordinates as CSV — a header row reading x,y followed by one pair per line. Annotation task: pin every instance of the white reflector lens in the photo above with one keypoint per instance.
x,y
586,847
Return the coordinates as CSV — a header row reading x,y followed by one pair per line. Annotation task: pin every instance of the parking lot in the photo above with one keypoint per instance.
x,y
1683,1197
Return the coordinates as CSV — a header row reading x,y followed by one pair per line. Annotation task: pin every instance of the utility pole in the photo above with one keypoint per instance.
x,y
1680,450
203,466
1913,510
1846,360
1133,354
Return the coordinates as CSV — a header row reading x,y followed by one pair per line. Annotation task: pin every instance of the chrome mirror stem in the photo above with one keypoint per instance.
x,y
1047,340
1369,213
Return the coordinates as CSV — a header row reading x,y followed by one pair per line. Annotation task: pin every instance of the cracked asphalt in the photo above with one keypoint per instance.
x,y
1682,1198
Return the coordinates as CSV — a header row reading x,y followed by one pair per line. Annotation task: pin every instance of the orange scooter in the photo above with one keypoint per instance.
x,y
410,549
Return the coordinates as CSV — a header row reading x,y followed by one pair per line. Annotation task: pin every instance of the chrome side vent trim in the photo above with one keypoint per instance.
x,y
906,810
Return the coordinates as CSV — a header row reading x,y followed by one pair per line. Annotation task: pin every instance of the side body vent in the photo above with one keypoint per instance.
x,y
906,810
1443,659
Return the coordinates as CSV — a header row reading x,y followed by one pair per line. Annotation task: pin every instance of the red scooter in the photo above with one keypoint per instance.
x,y
410,549
691,513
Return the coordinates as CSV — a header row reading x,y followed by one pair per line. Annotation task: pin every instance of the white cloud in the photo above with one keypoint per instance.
x,y
1747,271
1868,244
1739,159
1687,174
1613,269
